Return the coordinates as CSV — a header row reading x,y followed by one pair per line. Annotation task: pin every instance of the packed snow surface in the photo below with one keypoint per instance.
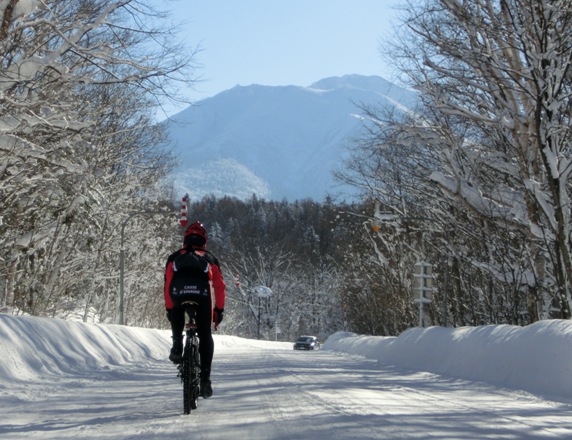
x,y
65,379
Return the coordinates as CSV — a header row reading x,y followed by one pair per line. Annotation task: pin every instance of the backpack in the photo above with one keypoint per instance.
x,y
189,284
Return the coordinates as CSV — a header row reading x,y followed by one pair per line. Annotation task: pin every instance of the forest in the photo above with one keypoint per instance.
x,y
474,183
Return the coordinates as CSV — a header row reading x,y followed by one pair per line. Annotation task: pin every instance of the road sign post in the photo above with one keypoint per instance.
x,y
423,286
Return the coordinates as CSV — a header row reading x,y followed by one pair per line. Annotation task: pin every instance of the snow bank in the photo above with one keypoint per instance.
x,y
32,347
536,358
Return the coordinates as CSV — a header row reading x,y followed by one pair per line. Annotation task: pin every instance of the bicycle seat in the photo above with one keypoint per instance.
x,y
191,308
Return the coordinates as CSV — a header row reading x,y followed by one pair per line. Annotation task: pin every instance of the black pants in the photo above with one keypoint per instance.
x,y
206,343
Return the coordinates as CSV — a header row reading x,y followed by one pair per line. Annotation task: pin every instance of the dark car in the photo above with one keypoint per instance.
x,y
307,343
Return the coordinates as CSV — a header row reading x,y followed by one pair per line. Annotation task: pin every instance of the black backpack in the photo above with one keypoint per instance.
x,y
189,284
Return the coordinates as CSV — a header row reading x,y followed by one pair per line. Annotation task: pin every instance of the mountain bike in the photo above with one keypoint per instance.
x,y
190,366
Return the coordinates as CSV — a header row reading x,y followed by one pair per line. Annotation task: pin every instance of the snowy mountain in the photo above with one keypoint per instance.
x,y
276,142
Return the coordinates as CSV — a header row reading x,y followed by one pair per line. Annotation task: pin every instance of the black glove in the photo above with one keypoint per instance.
x,y
218,315
191,260
169,314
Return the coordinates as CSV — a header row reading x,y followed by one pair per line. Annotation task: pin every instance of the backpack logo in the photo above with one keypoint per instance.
x,y
188,290
184,289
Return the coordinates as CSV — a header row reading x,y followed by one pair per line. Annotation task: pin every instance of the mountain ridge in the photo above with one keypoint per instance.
x,y
277,142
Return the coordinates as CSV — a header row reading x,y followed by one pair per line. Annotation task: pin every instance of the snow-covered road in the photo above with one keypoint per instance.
x,y
269,391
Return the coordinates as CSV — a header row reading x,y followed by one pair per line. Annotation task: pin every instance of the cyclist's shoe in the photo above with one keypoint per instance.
x,y
206,389
176,355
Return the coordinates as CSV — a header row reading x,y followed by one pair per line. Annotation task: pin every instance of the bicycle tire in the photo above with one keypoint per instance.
x,y
190,367
187,380
195,372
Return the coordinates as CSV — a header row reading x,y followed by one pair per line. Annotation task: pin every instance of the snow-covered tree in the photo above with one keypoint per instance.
x,y
496,74
494,138
78,144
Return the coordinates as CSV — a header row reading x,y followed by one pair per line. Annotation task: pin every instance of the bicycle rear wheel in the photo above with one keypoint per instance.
x,y
187,381
195,371
191,375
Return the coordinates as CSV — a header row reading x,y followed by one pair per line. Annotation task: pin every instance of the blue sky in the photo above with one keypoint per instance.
x,y
282,42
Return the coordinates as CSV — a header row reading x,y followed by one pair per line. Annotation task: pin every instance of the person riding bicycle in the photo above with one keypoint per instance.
x,y
194,274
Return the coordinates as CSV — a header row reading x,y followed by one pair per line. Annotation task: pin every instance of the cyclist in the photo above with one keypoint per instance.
x,y
193,273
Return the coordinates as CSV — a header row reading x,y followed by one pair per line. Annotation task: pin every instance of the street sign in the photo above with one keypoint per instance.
x,y
423,282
